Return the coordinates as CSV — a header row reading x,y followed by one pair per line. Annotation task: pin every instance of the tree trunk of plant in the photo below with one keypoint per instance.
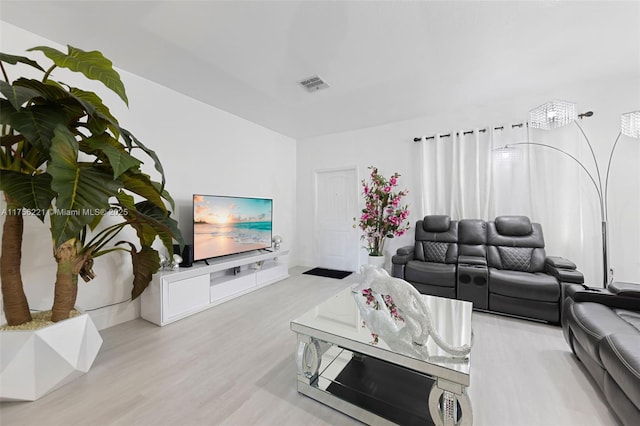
x,y
66,287
16,307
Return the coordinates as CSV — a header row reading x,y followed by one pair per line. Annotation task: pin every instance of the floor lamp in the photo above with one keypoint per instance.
x,y
556,114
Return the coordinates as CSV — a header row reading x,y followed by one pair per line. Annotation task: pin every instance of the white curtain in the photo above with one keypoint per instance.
x,y
468,175
455,180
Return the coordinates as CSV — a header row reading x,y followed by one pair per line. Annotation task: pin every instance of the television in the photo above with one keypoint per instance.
x,y
224,225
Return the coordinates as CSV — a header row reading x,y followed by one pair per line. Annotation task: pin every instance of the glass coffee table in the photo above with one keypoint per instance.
x,y
340,365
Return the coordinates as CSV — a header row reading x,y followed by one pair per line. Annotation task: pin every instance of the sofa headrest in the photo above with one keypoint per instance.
x,y
514,226
436,223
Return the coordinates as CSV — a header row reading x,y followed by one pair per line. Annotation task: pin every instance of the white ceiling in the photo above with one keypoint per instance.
x,y
386,61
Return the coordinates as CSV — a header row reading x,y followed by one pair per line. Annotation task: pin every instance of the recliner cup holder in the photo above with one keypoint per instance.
x,y
480,281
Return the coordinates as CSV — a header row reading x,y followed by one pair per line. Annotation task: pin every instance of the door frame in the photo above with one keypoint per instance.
x,y
355,237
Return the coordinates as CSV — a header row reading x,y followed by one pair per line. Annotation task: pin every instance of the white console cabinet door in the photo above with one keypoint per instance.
x,y
272,273
185,297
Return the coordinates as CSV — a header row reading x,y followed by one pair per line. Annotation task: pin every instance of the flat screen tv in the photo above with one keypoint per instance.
x,y
225,225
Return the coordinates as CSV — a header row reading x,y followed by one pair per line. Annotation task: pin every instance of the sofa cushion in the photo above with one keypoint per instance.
x,y
440,274
499,245
591,322
524,285
516,258
435,251
620,355
631,317
514,226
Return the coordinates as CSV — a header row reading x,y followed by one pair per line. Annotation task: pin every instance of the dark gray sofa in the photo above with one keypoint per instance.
x,y
500,266
603,329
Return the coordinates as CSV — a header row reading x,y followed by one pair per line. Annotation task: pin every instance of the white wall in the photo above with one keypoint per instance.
x,y
391,148
203,150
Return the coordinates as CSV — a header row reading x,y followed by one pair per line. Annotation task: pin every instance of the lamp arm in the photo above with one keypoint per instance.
x,y
606,180
593,155
598,188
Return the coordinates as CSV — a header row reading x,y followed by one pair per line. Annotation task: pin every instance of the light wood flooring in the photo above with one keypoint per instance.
x,y
234,365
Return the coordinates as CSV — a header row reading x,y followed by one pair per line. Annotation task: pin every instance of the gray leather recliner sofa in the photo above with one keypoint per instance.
x,y
500,266
603,329
431,262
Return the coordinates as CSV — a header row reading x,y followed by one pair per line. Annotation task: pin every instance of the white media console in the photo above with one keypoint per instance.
x,y
173,295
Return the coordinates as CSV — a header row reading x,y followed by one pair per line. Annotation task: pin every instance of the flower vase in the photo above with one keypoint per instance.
x,y
377,261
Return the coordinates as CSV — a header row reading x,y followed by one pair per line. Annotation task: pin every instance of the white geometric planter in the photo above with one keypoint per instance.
x,y
34,363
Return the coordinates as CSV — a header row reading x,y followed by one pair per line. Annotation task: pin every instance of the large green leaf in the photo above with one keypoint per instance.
x,y
54,93
141,184
32,159
165,194
92,64
17,95
13,59
133,142
50,90
146,262
163,223
6,112
83,189
119,160
36,123
33,193
94,106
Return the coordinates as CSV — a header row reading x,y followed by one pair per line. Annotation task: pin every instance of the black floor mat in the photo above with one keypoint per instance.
x,y
330,273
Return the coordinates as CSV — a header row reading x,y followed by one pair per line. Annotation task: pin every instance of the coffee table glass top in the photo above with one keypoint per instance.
x,y
339,318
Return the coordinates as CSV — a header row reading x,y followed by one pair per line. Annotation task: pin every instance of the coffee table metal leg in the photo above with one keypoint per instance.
x,y
445,412
308,357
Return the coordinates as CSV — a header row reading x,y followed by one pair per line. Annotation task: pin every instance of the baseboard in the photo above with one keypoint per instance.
x,y
110,316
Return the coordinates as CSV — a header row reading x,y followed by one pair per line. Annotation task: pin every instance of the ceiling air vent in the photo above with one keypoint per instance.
x,y
314,83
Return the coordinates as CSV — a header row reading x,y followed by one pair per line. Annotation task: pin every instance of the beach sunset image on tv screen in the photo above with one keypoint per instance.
x,y
228,225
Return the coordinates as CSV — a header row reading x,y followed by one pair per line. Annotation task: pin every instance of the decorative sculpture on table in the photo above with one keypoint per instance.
x,y
395,311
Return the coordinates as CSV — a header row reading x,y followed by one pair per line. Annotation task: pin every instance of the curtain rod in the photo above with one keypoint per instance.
x,y
468,132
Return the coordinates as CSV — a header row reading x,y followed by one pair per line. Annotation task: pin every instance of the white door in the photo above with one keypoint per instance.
x,y
337,242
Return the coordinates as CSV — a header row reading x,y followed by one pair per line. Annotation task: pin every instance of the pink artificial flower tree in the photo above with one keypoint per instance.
x,y
383,216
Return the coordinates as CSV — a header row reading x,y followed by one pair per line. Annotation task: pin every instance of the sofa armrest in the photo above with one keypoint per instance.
x,y
400,260
624,289
564,270
583,293
559,262
403,255
472,260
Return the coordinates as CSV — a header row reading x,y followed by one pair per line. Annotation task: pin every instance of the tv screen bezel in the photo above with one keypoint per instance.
x,y
193,207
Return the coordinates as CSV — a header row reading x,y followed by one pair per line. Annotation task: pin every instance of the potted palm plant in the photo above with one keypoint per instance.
x,y
383,216
64,157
